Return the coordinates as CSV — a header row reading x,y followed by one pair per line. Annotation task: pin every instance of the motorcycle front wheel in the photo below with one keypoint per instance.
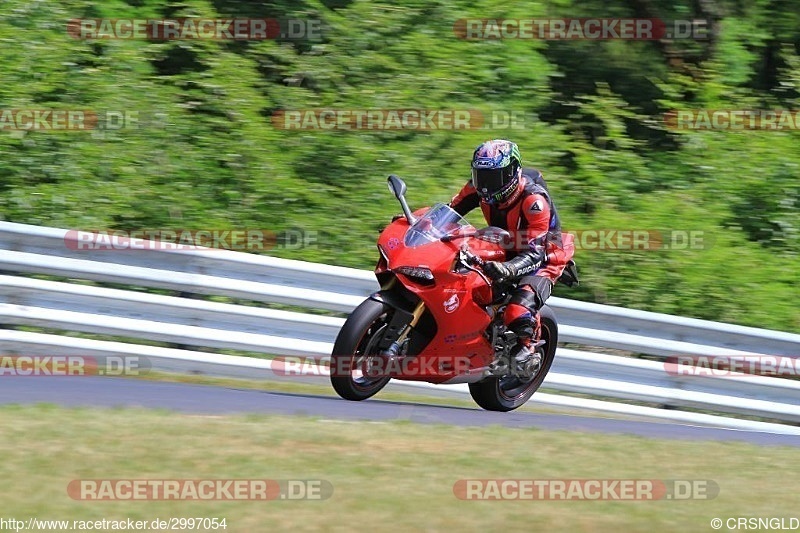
x,y
357,341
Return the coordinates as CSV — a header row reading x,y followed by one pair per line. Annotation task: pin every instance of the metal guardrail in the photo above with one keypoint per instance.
x,y
34,249
193,322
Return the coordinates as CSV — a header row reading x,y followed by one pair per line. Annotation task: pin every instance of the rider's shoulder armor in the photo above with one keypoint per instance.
x,y
534,183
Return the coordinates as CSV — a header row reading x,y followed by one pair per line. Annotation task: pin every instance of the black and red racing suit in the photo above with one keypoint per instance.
x,y
530,216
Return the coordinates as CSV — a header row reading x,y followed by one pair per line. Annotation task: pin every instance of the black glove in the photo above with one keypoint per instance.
x,y
521,265
499,271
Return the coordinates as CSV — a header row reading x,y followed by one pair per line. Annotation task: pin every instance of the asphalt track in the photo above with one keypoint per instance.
x,y
201,399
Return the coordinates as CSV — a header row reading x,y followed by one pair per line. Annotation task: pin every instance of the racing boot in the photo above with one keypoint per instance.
x,y
524,357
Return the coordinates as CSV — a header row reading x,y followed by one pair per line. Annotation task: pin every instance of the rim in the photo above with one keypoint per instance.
x,y
363,357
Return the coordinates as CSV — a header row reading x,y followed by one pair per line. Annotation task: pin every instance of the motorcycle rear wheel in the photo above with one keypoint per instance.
x,y
506,393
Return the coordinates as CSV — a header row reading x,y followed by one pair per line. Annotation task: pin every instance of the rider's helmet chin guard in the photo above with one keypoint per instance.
x,y
496,170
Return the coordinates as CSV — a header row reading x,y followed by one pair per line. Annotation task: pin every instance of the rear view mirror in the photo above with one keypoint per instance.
x,y
493,234
397,186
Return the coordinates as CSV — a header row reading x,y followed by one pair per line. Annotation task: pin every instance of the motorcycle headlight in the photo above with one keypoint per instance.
x,y
421,275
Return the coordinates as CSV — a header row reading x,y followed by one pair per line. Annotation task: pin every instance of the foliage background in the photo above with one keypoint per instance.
x,y
206,155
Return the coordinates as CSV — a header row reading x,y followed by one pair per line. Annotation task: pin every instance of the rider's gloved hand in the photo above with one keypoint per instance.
x,y
499,271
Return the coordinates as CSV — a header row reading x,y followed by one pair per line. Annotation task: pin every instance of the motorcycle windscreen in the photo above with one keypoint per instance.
x,y
439,221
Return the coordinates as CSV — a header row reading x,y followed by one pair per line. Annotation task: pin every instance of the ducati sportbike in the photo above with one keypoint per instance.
x,y
437,317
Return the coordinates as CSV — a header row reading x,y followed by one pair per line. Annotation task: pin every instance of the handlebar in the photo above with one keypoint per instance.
x,y
452,237
471,258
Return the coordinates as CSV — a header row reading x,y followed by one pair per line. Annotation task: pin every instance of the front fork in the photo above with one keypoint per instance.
x,y
398,330
403,320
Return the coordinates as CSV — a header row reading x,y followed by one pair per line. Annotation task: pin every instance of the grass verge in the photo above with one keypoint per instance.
x,y
395,476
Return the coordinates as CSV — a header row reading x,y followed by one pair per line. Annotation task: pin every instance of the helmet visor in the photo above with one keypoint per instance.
x,y
489,181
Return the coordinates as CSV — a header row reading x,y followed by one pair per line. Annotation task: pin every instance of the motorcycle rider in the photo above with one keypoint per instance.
x,y
517,200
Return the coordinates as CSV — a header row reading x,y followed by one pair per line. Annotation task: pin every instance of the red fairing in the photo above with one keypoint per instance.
x,y
457,301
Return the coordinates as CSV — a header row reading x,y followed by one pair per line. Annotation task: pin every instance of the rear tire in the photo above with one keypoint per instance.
x,y
508,392
360,332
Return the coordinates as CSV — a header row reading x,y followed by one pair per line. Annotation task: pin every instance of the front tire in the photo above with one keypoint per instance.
x,y
509,392
358,337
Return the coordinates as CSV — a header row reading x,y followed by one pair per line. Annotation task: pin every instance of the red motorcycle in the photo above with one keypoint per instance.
x,y
437,317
